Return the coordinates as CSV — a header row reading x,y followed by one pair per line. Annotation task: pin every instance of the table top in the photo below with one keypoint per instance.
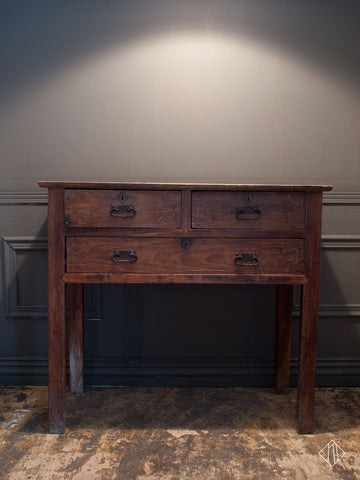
x,y
177,186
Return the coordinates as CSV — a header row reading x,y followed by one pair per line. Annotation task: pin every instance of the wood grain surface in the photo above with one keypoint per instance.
x,y
147,209
196,255
169,233
248,210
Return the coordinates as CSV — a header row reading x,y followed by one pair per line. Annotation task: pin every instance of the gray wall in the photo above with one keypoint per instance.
x,y
216,90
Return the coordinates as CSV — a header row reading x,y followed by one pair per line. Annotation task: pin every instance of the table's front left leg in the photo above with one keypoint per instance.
x,y
56,312
57,361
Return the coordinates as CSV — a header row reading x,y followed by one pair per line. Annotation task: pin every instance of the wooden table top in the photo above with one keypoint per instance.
x,y
190,186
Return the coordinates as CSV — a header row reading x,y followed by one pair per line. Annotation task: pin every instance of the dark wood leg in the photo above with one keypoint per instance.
x,y
283,338
76,337
56,314
307,359
309,308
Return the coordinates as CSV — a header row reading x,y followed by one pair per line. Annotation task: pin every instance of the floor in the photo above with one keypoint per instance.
x,y
163,433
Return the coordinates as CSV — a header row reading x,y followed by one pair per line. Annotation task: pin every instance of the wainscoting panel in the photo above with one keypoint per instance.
x,y
158,335
25,258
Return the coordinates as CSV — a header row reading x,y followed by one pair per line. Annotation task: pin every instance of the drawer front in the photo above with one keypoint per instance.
x,y
122,208
184,255
248,210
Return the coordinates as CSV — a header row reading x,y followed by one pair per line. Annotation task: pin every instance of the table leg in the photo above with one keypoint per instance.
x,y
283,338
56,337
307,358
76,337
56,313
309,308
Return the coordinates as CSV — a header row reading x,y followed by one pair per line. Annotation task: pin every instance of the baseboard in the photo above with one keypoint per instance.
x,y
255,372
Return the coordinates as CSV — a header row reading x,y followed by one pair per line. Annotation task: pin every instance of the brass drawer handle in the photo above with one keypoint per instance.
x,y
123,211
243,259
124,256
247,213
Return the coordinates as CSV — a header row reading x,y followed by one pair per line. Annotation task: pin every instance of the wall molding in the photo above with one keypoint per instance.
x,y
93,295
334,310
339,371
8,199
334,371
340,242
41,198
339,310
11,247
341,198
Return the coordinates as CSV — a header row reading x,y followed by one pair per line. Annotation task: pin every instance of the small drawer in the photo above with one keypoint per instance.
x,y
185,255
248,210
122,208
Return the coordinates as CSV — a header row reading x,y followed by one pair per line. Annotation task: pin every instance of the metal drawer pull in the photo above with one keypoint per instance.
x,y
247,213
242,259
123,211
124,256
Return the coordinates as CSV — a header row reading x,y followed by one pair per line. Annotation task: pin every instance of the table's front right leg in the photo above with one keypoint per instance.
x,y
56,311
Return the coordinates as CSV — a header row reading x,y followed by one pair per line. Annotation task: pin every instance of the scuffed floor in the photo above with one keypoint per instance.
x,y
177,434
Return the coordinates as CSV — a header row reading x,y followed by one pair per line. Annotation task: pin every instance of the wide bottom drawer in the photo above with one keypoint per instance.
x,y
184,255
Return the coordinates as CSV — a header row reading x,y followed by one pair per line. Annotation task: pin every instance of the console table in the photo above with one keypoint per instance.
x,y
112,232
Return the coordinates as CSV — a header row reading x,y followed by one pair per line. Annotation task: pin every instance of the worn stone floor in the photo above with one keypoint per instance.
x,y
163,433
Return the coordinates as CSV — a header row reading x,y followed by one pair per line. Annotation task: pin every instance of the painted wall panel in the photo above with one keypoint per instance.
x,y
230,90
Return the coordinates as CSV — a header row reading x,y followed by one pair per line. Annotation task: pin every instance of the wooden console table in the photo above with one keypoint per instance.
x,y
183,233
